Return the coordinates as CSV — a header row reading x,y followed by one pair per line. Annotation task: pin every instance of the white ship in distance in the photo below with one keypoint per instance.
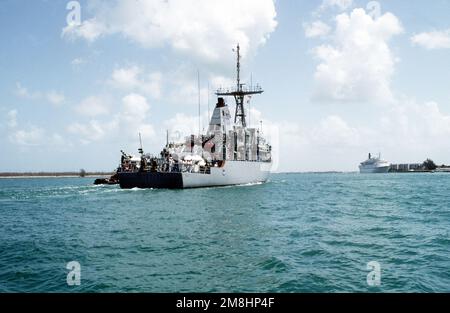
x,y
374,165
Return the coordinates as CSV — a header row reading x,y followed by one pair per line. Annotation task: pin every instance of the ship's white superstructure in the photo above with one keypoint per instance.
x,y
374,165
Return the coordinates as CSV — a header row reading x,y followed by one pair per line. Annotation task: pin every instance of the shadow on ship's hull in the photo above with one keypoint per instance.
x,y
128,180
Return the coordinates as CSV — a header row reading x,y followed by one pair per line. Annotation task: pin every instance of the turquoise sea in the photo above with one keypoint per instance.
x,y
296,233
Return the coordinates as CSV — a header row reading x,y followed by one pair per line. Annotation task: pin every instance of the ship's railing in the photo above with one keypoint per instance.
x,y
182,167
165,166
243,89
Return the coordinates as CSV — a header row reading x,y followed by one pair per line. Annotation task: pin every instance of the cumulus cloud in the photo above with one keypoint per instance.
x,y
333,131
94,130
422,123
339,4
181,85
316,29
22,92
77,63
93,106
89,30
182,125
357,63
130,120
133,78
204,28
432,40
135,105
12,118
54,97
31,137
34,136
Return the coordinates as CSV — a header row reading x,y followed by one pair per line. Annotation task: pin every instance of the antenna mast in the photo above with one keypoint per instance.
x,y
209,116
167,138
238,70
199,114
240,92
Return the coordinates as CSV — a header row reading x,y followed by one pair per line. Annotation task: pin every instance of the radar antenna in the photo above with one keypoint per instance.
x,y
239,93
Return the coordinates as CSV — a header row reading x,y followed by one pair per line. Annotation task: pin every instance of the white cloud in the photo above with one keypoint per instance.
x,y
133,78
316,29
77,61
54,97
357,64
134,108
331,143
218,81
92,131
22,92
181,86
134,116
90,30
180,83
126,77
421,123
93,106
339,4
333,131
432,40
12,118
31,137
438,123
182,125
129,121
207,29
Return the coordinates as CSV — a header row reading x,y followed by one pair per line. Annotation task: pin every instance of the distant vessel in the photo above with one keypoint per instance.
x,y
374,165
228,154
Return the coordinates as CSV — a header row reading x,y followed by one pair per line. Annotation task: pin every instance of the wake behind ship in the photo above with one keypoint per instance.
x,y
228,154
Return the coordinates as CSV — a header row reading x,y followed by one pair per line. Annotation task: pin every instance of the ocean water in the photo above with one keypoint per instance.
x,y
296,233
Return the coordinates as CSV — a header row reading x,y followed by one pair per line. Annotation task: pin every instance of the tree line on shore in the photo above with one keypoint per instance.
x,y
80,173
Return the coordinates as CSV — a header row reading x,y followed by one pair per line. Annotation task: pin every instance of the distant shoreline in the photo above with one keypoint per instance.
x,y
108,174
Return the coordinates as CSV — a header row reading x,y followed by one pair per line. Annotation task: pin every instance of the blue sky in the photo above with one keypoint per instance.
x,y
340,79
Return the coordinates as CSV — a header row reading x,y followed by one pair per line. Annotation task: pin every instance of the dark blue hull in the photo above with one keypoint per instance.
x,y
128,180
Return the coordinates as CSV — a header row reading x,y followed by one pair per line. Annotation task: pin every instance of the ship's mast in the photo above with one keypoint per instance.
x,y
239,93
238,67
199,102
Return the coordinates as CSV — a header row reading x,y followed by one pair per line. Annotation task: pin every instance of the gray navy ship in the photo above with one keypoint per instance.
x,y
229,153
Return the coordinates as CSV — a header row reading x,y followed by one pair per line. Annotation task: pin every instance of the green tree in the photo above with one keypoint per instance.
x,y
429,165
82,173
